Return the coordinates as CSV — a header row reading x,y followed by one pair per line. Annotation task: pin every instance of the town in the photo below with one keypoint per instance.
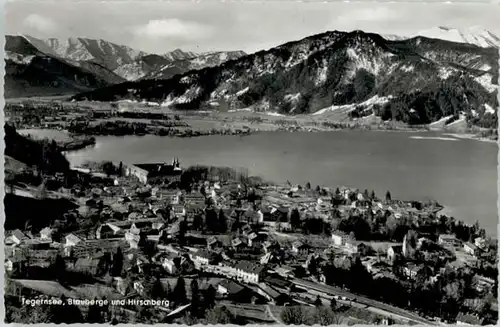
x,y
163,243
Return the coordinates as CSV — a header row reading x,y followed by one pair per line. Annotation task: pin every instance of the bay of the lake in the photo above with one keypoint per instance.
x,y
460,174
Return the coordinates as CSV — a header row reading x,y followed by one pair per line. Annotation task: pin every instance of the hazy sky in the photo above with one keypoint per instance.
x,y
159,26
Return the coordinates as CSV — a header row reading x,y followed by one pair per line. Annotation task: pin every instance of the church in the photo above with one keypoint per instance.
x,y
156,173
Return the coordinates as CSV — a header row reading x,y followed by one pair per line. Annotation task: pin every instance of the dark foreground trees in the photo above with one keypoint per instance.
x,y
301,315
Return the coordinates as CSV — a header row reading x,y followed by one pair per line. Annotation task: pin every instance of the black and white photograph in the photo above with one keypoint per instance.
x,y
253,162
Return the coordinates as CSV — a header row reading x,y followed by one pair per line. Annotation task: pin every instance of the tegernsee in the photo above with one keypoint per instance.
x,y
39,302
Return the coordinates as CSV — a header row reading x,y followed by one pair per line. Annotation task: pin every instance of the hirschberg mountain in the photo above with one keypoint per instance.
x,y
107,62
194,63
418,80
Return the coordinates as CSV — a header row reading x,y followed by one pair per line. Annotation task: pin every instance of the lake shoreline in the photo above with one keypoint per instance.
x,y
415,169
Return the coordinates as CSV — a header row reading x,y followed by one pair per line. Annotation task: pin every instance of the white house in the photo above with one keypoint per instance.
x,y
132,239
394,251
252,236
340,238
249,272
179,210
470,248
300,248
167,262
9,265
447,240
480,242
18,237
202,257
260,216
72,240
46,233
139,288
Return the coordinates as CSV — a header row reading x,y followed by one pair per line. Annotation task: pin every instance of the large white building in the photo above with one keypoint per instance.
x,y
340,238
249,272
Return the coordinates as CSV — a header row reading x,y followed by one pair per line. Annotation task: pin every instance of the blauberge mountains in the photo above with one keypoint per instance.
x,y
36,67
416,80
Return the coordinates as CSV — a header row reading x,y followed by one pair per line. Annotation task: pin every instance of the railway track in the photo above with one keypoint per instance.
x,y
383,307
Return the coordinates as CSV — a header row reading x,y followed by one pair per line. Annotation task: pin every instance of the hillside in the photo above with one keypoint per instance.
x,y
117,63
44,155
198,62
105,53
417,81
32,72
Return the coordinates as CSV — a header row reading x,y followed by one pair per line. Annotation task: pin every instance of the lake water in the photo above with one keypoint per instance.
x,y
462,174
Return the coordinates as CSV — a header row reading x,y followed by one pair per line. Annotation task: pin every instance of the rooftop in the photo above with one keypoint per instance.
x,y
204,254
231,286
249,267
19,235
159,169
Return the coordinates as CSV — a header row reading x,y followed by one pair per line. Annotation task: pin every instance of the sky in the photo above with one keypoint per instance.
x,y
160,26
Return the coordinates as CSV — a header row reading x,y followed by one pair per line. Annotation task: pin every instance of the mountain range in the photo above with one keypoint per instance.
x,y
473,35
52,66
418,79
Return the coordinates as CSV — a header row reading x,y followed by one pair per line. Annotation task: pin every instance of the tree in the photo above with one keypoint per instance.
x,y
252,195
195,298
59,268
222,221
318,301
67,314
117,266
326,317
181,236
312,266
94,314
364,82
295,315
333,304
197,223
308,186
388,196
295,218
209,297
28,315
157,291
220,315
120,169
41,191
372,195
211,220
108,168
179,293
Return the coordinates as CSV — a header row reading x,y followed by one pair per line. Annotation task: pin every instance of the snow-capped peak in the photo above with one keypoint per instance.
x,y
394,37
474,35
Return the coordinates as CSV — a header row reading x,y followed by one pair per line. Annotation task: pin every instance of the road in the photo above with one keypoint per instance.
x,y
382,308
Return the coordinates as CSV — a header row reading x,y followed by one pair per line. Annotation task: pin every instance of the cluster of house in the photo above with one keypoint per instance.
x,y
347,202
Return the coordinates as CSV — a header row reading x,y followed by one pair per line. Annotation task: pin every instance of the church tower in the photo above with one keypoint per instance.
x,y
405,246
